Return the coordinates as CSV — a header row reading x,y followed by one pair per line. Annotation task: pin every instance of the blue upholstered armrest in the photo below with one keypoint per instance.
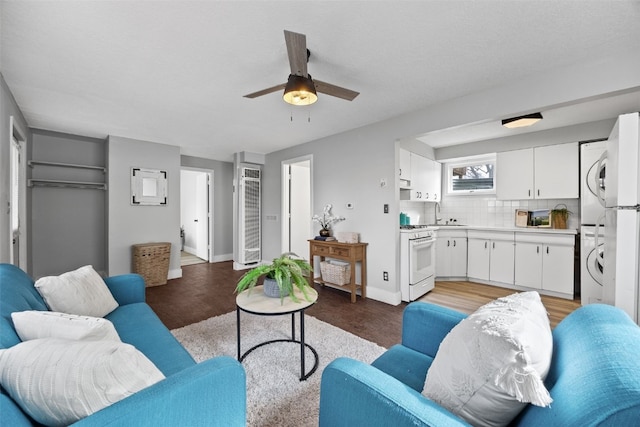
x,y
127,288
211,393
356,394
425,325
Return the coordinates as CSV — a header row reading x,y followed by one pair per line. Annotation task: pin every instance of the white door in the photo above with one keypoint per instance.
x,y
478,265
557,171
17,198
459,257
297,226
514,175
502,261
557,268
528,264
202,216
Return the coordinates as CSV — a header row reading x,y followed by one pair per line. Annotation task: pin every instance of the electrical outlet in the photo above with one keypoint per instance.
x,y
386,208
385,276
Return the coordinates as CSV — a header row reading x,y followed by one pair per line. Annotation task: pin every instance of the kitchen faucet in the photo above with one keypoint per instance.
x,y
436,209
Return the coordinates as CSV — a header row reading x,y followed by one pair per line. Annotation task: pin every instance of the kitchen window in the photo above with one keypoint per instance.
x,y
472,176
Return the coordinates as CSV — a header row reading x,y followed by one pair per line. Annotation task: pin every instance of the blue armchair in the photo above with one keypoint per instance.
x,y
594,377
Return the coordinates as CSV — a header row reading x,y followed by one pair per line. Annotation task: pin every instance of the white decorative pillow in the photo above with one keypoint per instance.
x,y
31,325
494,362
58,382
81,292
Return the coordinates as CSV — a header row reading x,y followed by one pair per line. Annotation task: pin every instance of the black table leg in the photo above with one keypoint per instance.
x,y
302,370
238,330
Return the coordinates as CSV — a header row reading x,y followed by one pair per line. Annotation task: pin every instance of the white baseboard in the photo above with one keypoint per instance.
x,y
224,257
175,273
388,297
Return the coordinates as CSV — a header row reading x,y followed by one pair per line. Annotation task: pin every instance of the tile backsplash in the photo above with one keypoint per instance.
x,y
483,211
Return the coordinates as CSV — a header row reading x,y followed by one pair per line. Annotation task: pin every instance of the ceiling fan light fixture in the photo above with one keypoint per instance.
x,y
300,90
522,121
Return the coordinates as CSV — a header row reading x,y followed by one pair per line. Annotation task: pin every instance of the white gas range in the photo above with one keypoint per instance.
x,y
417,261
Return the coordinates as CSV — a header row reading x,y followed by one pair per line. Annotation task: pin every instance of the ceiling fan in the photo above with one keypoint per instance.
x,y
300,88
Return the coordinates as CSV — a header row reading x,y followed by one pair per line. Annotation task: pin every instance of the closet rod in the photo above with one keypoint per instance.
x,y
67,184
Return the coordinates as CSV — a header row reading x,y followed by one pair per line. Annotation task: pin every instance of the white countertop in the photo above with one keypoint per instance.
x,y
546,230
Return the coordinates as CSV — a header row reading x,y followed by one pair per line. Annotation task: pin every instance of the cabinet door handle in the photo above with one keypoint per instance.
x,y
537,249
426,195
529,192
448,242
547,250
400,172
493,245
454,243
485,245
538,191
435,196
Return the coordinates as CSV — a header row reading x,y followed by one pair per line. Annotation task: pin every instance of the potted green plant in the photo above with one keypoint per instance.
x,y
280,277
559,216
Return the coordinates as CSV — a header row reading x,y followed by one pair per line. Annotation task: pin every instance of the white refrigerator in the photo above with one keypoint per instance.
x,y
622,216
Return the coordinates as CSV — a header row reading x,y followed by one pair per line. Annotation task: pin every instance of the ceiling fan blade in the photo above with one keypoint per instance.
x,y
297,51
336,91
266,91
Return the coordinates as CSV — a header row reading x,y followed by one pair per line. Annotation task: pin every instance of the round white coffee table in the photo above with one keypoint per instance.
x,y
254,301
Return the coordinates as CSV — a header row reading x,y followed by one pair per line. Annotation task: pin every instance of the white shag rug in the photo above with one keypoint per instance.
x,y
275,394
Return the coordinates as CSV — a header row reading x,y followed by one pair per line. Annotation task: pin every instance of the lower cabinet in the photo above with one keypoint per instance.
x,y
451,254
491,256
545,262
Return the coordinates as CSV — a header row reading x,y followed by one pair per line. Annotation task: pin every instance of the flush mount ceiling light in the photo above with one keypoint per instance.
x,y
522,121
300,90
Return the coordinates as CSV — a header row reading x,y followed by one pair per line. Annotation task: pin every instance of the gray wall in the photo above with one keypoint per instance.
x,y
128,224
68,225
8,108
348,166
222,203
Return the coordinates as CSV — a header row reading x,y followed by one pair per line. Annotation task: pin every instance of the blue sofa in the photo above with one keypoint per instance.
x,y
211,393
594,377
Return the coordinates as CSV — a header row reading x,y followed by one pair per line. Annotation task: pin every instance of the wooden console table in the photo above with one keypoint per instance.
x,y
350,252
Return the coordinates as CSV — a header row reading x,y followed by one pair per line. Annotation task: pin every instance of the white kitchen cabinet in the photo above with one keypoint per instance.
x,y
426,180
433,181
549,172
545,262
451,254
491,256
404,171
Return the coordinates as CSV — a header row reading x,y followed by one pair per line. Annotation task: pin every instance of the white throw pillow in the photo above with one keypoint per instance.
x,y
494,362
31,325
81,292
58,382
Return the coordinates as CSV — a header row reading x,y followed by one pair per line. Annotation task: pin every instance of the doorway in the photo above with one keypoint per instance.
x,y
296,197
196,207
17,203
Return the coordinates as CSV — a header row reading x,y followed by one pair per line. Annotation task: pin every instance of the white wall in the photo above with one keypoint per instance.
x,y
348,166
128,224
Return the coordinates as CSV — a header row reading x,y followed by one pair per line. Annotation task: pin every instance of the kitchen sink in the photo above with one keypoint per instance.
x,y
447,225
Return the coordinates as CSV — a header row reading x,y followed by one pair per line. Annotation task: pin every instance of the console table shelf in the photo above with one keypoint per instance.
x,y
350,252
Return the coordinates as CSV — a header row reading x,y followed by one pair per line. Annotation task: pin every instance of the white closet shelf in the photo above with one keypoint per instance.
x,y
67,184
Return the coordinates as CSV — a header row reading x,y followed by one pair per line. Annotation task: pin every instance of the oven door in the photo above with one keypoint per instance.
x,y
422,256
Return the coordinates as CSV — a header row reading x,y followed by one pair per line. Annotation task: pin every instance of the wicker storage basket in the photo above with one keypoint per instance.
x,y
336,273
151,261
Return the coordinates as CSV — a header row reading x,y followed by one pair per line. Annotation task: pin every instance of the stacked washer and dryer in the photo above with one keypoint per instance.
x,y
592,223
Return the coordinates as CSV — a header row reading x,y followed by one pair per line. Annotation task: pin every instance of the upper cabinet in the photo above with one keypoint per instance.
x,y
425,178
405,166
549,172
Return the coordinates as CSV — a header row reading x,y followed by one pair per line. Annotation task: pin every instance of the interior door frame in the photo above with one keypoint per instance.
x,y
286,201
210,173
17,134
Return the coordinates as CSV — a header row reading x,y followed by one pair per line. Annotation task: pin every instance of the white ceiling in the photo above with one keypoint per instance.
x,y
175,72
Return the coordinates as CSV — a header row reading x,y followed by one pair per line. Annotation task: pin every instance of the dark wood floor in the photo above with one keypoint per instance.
x,y
207,290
